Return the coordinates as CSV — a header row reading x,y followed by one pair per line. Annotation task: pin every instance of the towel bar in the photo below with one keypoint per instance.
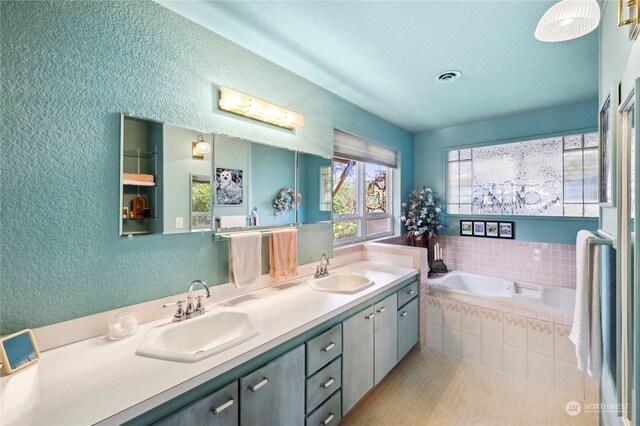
x,y
600,241
264,232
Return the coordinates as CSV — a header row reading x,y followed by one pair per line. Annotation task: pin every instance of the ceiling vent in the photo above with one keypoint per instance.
x,y
447,77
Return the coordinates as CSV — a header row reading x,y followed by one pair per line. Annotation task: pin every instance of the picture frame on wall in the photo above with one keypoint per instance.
x,y
607,148
478,229
229,182
506,230
491,229
466,227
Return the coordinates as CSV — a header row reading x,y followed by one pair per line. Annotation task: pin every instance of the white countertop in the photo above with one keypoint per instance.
x,y
95,380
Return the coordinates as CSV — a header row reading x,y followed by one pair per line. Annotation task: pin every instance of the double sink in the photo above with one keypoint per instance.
x,y
216,331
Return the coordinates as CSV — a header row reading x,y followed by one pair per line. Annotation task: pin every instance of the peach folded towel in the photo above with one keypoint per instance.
x,y
283,253
138,177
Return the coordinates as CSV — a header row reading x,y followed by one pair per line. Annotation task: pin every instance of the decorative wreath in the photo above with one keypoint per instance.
x,y
284,201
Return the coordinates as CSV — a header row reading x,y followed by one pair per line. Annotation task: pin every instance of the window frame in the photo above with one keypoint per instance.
x,y
445,174
362,217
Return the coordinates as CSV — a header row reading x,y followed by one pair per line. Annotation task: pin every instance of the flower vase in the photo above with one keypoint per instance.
x,y
420,241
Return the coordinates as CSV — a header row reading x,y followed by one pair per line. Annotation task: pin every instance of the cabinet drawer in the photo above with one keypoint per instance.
x,y
219,408
323,348
407,293
408,331
328,413
323,383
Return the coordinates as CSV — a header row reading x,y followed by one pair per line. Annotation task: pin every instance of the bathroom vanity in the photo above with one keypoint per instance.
x,y
316,355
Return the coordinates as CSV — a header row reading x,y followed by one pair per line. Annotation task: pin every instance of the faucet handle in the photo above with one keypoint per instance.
x,y
199,306
180,313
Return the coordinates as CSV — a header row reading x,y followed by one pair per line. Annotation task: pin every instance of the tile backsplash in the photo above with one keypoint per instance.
x,y
542,263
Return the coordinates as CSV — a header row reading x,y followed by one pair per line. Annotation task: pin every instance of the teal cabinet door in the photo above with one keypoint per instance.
x,y
357,357
408,328
275,394
385,336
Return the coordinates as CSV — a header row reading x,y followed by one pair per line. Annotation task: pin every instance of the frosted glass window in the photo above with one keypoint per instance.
x,y
591,140
543,177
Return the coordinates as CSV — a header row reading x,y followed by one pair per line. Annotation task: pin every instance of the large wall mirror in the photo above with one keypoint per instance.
x,y
165,178
178,180
315,182
255,184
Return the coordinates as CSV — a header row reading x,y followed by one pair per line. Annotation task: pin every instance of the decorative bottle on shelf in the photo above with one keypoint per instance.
x,y
254,217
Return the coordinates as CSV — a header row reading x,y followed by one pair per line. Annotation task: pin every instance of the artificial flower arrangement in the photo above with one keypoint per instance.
x,y
422,214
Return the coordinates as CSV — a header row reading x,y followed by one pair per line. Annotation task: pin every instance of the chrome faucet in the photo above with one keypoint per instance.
x,y
191,312
322,270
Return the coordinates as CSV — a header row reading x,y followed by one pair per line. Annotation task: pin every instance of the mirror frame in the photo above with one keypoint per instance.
x,y
6,365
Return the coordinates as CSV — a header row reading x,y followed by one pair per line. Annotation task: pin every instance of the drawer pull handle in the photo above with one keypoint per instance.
x,y
370,316
259,385
329,347
404,314
411,291
223,407
327,420
381,310
329,383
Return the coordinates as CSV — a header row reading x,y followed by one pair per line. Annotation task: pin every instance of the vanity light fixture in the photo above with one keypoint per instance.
x,y
202,147
249,106
568,19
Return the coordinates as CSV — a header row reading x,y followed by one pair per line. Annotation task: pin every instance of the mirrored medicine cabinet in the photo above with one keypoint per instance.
x,y
179,180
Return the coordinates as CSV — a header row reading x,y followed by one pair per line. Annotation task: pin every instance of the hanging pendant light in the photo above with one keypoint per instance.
x,y
568,19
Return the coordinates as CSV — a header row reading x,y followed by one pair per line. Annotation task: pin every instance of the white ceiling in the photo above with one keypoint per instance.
x,y
383,55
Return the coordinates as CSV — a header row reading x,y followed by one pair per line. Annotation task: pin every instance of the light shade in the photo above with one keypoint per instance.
x,y
568,19
202,147
244,104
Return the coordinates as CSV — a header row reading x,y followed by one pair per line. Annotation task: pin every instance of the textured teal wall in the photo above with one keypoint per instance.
x,y
68,69
431,146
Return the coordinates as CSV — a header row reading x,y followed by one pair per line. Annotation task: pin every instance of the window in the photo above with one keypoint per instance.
x,y
361,200
200,202
362,181
544,177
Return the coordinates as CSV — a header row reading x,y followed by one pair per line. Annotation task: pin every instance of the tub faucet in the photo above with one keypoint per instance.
x,y
191,311
322,270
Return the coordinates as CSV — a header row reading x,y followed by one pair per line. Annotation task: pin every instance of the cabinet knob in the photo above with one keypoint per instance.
x,y
328,383
216,410
259,385
329,347
411,291
404,314
327,420
370,316
381,310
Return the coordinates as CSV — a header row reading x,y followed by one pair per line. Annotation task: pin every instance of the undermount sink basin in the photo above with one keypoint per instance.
x,y
197,338
341,283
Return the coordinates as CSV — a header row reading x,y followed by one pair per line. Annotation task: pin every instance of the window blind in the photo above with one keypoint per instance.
x,y
355,148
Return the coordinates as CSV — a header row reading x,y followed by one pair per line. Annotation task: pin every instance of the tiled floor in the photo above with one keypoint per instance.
x,y
431,388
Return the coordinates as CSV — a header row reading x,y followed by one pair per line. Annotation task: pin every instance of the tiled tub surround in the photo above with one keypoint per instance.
x,y
542,263
531,344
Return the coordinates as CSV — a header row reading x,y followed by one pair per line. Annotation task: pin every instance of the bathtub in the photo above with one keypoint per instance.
x,y
547,298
